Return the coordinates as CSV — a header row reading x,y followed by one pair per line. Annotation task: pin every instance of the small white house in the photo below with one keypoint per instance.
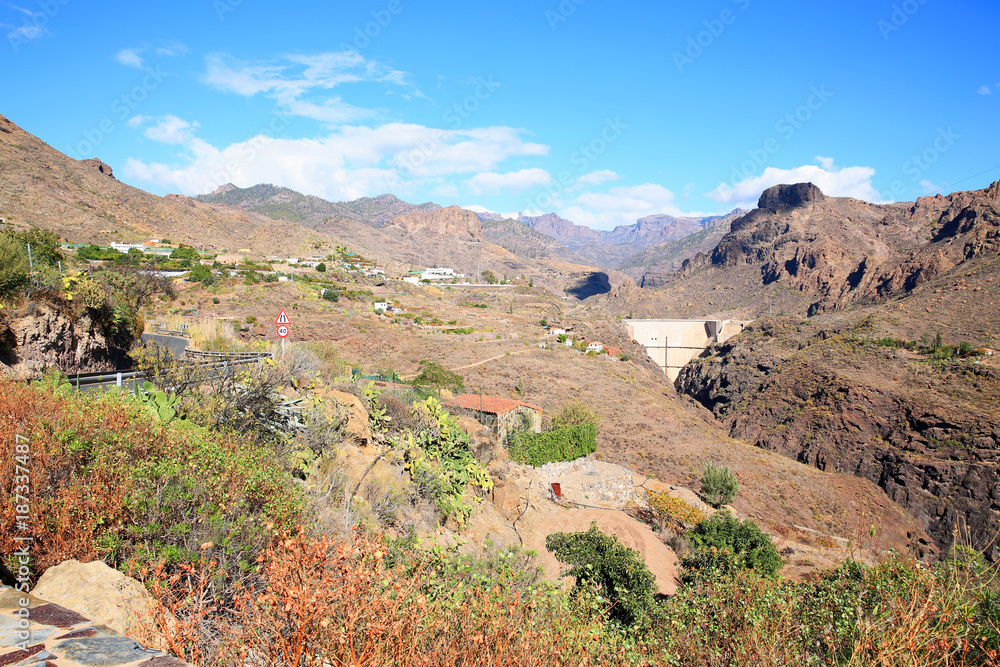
x,y
595,347
413,280
555,331
381,305
440,273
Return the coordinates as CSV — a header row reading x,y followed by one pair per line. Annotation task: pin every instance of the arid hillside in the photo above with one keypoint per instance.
x,y
83,201
646,424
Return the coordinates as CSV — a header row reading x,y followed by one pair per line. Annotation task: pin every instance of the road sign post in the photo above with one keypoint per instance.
x,y
282,322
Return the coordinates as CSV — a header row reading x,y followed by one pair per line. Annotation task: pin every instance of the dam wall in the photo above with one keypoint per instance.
x,y
671,344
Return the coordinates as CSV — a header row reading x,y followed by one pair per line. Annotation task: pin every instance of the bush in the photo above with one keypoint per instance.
x,y
574,414
13,264
331,294
321,267
719,486
673,511
561,444
723,545
111,481
251,319
432,374
619,573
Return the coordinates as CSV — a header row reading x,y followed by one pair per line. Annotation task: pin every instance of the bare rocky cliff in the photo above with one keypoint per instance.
x,y
927,433
452,221
40,335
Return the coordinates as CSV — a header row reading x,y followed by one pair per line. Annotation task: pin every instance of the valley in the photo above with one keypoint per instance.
x,y
852,399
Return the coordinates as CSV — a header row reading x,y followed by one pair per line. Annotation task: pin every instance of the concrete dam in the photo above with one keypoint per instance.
x,y
671,344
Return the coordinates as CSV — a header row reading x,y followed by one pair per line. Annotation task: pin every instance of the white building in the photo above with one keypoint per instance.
x,y
440,273
381,305
555,331
595,347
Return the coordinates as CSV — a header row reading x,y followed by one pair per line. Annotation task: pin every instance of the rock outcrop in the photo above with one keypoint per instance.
x,y
453,221
782,197
928,435
40,335
101,168
349,407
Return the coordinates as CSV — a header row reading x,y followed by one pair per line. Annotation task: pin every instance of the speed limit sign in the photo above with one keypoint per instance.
x,y
282,331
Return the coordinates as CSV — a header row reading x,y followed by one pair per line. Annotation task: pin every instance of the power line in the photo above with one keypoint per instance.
x,y
964,180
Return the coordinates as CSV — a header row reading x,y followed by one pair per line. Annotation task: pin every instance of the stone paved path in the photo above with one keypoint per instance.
x,y
53,636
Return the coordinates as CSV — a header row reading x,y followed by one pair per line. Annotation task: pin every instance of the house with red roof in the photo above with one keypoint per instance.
x,y
501,415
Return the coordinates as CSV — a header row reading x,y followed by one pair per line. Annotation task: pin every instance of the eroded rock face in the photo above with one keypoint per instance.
x,y
931,441
40,336
838,251
98,166
782,197
452,221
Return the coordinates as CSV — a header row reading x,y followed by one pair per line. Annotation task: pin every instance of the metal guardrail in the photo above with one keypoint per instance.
x,y
226,355
170,332
87,381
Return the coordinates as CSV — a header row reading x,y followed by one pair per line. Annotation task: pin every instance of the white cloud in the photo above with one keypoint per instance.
x,y
622,206
134,56
292,78
167,130
598,177
844,182
129,58
825,162
929,187
984,90
350,162
494,183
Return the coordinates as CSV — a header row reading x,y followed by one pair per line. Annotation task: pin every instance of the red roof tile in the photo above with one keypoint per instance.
x,y
490,404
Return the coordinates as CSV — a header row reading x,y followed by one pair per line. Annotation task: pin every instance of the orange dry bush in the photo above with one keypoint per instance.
x,y
99,477
74,488
345,603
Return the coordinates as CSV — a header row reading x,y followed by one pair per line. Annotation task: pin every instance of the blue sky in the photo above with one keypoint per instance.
x,y
602,112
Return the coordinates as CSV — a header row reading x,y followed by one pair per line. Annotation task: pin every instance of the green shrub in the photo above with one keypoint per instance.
x,y
321,267
331,294
719,486
723,545
251,319
434,375
13,264
620,574
561,444
574,414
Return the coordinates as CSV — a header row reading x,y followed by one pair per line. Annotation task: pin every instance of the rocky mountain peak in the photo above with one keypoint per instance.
x,y
223,188
783,197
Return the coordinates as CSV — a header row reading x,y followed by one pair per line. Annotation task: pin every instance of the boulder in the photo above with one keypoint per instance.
x,y
104,595
356,429
481,440
98,166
